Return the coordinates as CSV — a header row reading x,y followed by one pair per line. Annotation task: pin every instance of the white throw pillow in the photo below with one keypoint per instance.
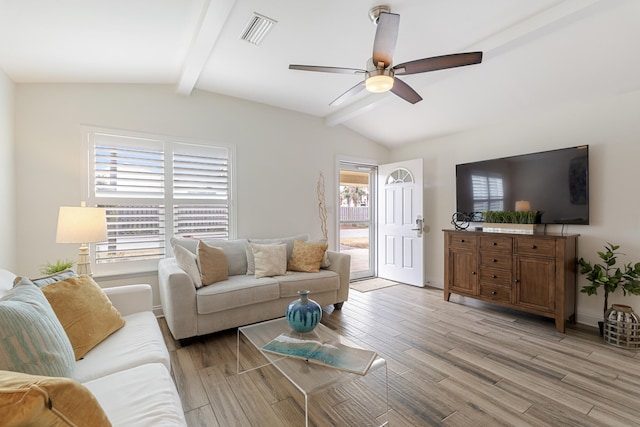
x,y
270,260
251,262
187,261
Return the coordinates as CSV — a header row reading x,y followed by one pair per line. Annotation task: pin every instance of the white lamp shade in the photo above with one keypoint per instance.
x,y
80,224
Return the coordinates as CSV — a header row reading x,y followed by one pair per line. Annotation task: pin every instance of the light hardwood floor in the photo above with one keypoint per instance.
x,y
461,363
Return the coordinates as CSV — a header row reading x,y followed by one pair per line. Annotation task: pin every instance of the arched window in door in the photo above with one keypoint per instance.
x,y
399,176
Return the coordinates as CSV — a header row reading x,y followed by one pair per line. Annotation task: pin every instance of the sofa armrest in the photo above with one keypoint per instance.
x,y
178,298
130,299
341,264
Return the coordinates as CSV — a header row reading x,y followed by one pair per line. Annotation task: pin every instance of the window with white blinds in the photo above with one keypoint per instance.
x,y
488,193
156,188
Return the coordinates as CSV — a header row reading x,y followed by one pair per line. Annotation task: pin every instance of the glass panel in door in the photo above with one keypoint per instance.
x,y
357,217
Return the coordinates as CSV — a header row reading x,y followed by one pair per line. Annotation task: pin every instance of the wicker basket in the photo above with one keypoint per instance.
x,y
622,327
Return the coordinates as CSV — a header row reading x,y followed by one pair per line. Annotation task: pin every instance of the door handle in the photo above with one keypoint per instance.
x,y
419,226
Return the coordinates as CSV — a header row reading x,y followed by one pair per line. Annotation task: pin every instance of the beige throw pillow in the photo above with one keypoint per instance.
x,y
307,256
187,260
213,264
84,310
270,260
251,261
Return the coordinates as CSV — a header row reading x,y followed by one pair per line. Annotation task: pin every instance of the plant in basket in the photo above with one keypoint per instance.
x,y
608,276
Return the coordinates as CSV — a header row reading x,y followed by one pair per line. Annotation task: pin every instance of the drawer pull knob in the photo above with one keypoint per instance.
x,y
494,260
534,247
461,240
493,292
494,244
493,276
473,272
515,281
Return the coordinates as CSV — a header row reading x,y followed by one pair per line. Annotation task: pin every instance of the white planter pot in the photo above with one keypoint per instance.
x,y
509,228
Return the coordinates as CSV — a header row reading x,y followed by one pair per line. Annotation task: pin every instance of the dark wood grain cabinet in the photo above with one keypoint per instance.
x,y
532,273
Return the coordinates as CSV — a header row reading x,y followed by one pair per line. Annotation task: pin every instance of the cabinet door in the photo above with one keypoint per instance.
x,y
535,283
462,272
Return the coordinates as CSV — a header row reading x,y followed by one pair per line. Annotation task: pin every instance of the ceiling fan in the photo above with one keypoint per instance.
x,y
380,74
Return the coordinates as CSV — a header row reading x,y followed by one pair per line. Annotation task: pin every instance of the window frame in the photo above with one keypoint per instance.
x,y
168,143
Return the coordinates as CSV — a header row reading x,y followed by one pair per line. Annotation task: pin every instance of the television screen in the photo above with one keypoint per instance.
x,y
555,183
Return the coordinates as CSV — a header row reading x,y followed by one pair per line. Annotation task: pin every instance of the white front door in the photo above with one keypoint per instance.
x,y
400,222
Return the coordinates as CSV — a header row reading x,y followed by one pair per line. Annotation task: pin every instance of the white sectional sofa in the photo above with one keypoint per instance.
x,y
128,372
242,298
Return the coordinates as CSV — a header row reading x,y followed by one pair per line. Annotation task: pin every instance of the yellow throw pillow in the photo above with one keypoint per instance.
x,y
32,400
306,256
213,264
84,310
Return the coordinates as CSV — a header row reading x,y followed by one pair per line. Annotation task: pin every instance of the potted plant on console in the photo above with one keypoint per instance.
x,y
611,277
522,222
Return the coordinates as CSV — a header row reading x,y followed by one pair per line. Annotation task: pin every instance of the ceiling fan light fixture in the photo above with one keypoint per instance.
x,y
379,81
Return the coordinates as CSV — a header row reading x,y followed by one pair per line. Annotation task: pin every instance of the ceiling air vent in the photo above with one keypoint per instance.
x,y
257,28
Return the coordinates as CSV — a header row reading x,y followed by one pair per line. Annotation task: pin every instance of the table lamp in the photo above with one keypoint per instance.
x,y
82,224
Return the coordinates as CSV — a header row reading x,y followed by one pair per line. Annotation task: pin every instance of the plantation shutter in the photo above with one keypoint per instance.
x,y
147,184
129,182
201,192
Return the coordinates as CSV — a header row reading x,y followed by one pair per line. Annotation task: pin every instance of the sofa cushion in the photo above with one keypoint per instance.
x,y
140,396
187,261
32,400
237,291
234,249
212,262
85,312
306,256
322,281
6,282
270,260
140,341
32,340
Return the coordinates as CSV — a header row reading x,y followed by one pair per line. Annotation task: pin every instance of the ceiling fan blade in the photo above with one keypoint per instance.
x,y
438,63
405,91
348,94
326,69
384,44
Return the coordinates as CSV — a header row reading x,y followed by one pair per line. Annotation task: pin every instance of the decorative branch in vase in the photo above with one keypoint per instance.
x,y
322,207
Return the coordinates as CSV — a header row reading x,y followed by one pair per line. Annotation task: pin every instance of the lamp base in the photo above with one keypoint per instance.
x,y
84,261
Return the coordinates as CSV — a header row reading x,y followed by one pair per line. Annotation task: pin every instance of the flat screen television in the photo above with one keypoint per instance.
x,y
555,183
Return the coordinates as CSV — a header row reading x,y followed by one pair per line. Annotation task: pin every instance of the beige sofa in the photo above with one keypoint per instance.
x,y
242,299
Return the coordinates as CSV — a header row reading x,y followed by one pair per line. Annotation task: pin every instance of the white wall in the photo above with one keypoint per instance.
x,y
7,180
612,130
279,157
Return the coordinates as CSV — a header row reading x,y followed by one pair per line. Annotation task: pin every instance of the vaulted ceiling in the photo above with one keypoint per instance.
x,y
538,54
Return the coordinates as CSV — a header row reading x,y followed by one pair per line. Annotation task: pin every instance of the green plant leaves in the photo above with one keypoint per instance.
x,y
609,277
511,217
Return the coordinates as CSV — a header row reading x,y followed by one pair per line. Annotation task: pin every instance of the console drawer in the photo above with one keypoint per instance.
x,y
496,293
462,240
496,243
495,277
533,246
495,259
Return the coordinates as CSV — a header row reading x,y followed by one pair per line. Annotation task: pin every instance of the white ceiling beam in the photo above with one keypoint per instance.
x,y
212,19
491,44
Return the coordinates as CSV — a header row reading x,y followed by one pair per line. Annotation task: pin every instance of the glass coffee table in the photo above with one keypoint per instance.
x,y
363,396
